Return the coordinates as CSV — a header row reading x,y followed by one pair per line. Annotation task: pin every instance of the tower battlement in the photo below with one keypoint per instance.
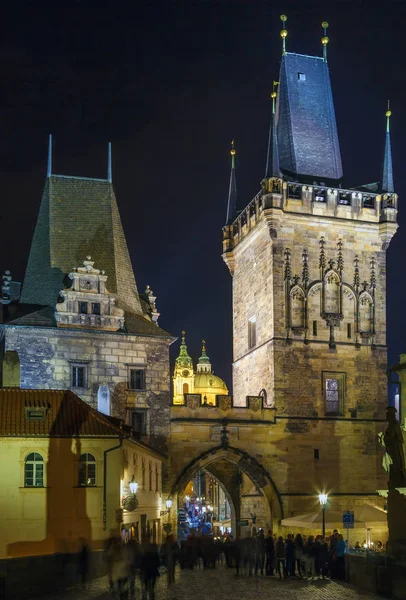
x,y
315,200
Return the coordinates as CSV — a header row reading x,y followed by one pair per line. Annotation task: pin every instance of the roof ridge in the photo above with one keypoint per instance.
x,y
81,178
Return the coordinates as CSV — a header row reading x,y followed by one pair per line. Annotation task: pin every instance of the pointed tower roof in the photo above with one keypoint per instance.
x,y
272,159
78,216
183,361
387,176
232,192
306,124
203,363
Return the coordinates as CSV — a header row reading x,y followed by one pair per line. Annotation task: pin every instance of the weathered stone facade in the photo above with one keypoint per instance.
x,y
47,354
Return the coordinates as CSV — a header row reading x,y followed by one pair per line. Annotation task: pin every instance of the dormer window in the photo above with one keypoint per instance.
x,y
34,413
83,308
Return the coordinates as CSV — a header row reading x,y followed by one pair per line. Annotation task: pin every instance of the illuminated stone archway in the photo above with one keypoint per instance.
x,y
248,465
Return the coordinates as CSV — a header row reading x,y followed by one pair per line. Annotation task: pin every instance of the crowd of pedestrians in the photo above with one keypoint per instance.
x,y
294,556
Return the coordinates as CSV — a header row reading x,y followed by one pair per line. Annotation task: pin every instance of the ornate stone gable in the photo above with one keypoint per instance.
x,y
88,303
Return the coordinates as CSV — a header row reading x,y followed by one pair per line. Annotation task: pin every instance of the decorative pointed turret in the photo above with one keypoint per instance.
x,y
49,166
204,365
272,159
232,192
109,171
183,361
387,177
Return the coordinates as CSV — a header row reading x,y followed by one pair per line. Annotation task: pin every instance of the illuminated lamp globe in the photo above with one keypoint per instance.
x,y
168,503
323,499
133,486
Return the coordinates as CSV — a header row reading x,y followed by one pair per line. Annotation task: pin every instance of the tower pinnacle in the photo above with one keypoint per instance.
x,y
109,171
204,365
387,176
272,158
49,165
284,33
325,40
232,191
183,361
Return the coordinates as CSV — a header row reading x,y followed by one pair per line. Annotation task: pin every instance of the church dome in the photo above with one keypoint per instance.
x,y
209,383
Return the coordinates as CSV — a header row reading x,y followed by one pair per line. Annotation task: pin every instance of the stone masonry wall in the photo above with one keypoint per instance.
x,y
46,356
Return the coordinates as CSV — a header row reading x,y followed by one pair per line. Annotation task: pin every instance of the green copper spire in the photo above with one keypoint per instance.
x,y
184,360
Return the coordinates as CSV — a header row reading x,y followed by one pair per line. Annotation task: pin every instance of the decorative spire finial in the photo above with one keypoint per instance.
x,y
387,176
388,116
232,152
325,40
272,159
109,171
183,337
49,167
203,346
232,190
284,33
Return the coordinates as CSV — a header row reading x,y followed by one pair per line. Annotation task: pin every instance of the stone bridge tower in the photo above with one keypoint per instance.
x,y
308,263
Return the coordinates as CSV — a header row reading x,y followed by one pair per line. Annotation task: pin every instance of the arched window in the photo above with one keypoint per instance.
x,y
87,470
185,388
34,470
150,475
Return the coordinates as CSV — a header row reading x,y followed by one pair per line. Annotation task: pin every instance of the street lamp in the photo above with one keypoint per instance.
x,y
168,503
323,503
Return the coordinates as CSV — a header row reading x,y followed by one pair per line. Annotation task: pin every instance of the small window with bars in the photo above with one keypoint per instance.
x,y
79,376
333,391
139,421
136,379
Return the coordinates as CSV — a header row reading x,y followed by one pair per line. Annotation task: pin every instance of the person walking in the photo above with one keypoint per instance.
x,y
280,556
299,553
149,567
170,556
260,552
309,552
340,557
269,554
290,556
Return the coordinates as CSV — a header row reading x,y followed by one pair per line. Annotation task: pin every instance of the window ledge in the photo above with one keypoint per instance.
x,y
87,487
33,488
136,390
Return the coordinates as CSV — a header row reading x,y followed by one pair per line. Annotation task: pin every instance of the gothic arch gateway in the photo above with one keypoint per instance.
x,y
261,495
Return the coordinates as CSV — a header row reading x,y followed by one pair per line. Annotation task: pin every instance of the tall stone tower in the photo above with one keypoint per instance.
x,y
308,262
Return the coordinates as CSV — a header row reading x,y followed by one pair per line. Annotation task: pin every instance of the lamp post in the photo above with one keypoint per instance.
x,y
133,486
323,503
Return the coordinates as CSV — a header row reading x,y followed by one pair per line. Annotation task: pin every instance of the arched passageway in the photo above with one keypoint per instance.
x,y
243,487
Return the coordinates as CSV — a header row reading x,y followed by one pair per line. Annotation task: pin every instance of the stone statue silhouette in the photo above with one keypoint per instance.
x,y
394,458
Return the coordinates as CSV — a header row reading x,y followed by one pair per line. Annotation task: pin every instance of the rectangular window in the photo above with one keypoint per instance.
x,y
334,392
137,379
156,479
95,308
349,330
139,421
314,327
83,308
301,77
252,332
79,373
316,454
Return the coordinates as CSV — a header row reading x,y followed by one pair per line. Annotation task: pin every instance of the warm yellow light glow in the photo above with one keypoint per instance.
x,y
168,503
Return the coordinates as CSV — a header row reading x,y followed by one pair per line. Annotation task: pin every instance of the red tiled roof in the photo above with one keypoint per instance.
x,y
66,415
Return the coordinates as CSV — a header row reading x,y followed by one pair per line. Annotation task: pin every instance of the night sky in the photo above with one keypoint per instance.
x,y
170,84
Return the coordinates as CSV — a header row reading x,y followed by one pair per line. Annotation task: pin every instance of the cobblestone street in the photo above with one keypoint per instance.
x,y
221,584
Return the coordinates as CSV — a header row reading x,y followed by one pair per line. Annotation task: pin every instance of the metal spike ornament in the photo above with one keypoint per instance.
x,y
284,33
325,40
